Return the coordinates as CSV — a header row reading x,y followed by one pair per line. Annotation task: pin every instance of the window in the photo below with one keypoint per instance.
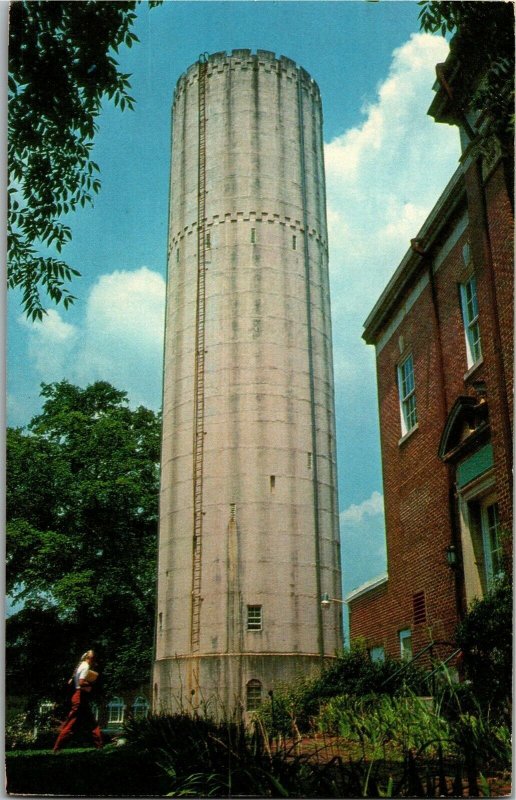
x,y
294,243
468,297
254,618
208,240
419,606
272,483
140,708
490,525
481,552
406,644
309,460
116,708
377,654
253,695
407,391
253,235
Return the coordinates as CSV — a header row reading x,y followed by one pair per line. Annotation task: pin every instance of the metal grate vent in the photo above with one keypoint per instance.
x,y
419,606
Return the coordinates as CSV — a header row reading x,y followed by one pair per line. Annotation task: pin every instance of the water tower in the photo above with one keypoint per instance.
x,y
249,537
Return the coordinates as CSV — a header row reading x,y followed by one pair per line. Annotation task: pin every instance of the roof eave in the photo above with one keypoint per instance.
x,y
410,265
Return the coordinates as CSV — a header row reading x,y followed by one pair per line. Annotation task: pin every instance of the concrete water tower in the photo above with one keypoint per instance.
x,y
249,536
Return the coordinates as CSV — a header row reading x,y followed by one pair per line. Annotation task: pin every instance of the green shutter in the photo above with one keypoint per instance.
x,y
475,465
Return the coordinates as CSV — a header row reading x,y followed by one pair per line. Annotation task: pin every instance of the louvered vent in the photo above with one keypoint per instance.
x,y
419,604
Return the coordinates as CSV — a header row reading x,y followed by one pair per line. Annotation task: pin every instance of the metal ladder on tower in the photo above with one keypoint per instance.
x,y
198,427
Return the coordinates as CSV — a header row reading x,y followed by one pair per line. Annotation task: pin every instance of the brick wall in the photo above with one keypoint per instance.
x,y
420,503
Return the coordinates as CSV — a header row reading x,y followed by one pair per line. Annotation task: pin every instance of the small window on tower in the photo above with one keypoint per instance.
x,y
272,483
208,240
309,460
253,235
254,618
177,256
253,695
294,243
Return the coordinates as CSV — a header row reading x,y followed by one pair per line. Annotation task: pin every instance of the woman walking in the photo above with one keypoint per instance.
x,y
81,715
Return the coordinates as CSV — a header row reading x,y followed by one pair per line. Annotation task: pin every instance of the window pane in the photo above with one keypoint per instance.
x,y
253,695
140,708
407,394
493,541
377,654
254,618
474,341
116,710
406,644
470,316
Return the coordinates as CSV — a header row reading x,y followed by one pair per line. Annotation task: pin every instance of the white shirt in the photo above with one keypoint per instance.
x,y
81,672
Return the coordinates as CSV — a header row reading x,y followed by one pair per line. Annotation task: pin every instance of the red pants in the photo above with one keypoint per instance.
x,y
80,716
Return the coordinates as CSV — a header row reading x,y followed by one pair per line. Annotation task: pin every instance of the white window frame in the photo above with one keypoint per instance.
x,y
254,618
491,569
404,636
469,307
140,707
116,711
478,492
407,396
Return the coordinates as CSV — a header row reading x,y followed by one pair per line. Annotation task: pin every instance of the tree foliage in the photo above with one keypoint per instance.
x,y
61,68
82,494
483,42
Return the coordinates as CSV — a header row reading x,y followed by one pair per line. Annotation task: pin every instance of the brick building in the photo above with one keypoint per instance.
x,y
443,334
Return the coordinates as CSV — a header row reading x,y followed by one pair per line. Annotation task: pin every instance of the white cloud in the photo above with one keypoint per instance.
x,y
120,340
383,179
123,337
372,507
362,531
129,305
51,341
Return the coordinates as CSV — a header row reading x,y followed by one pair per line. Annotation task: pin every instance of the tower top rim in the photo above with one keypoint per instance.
x,y
247,58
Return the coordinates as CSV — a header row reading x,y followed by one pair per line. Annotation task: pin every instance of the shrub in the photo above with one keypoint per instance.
x,y
485,637
203,759
293,707
19,733
377,721
122,771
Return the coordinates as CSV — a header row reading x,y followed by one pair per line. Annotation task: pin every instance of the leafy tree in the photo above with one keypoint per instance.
x,y
483,44
82,494
61,69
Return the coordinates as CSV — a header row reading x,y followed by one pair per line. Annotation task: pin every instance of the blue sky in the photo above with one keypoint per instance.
x,y
386,164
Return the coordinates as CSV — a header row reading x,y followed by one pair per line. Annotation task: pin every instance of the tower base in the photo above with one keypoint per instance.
x,y
228,686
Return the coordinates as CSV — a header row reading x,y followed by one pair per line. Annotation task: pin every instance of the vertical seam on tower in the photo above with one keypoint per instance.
x,y
315,478
198,421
